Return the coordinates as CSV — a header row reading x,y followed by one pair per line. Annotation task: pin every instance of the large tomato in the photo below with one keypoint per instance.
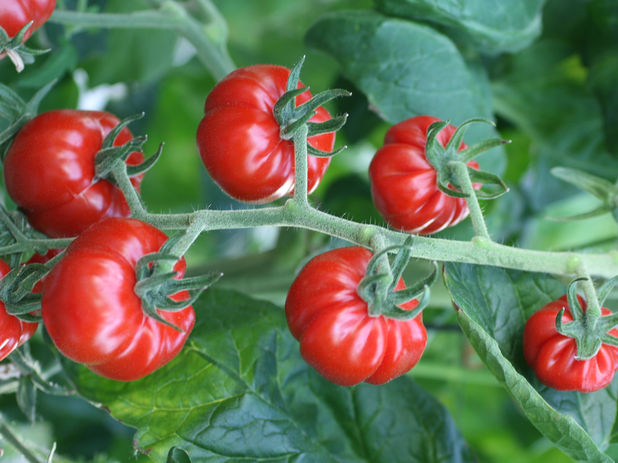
x,y
49,171
239,141
15,14
92,312
404,184
552,355
337,335
13,331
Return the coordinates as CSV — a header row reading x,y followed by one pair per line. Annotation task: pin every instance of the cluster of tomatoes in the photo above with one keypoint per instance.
x,y
89,305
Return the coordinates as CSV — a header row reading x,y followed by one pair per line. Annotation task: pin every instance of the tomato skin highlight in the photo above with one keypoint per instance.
x,y
552,355
239,138
15,14
49,171
337,336
92,313
404,184
13,331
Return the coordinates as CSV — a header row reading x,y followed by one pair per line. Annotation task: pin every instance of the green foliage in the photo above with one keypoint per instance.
x,y
240,391
545,71
490,26
426,76
494,306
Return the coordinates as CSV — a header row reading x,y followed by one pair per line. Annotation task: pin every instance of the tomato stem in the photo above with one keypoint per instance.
x,y
16,442
300,165
121,176
170,16
460,170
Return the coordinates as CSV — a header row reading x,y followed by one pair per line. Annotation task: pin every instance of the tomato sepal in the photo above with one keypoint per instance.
x,y
156,287
331,125
18,53
16,291
443,159
589,330
378,287
487,179
291,117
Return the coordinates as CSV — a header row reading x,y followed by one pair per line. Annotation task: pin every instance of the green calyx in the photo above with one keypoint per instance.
x,y
377,288
599,187
156,284
109,155
291,117
589,327
443,159
16,291
14,48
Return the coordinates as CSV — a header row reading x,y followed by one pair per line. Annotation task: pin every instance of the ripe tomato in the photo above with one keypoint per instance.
x,y
15,14
552,355
404,184
49,171
239,142
337,336
13,331
92,312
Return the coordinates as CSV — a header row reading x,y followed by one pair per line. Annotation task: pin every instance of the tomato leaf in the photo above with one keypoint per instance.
x,y
495,304
491,27
401,81
240,390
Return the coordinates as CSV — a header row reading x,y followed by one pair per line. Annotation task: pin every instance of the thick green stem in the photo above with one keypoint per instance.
x,y
40,243
16,442
481,252
171,16
300,165
593,309
119,172
476,215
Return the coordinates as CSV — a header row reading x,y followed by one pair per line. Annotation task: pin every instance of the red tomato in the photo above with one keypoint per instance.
x,y
337,336
15,14
404,184
239,142
49,171
13,331
552,355
92,313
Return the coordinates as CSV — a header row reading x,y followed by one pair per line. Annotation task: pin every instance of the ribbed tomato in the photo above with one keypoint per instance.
x,y
337,335
552,355
49,171
404,184
239,138
92,312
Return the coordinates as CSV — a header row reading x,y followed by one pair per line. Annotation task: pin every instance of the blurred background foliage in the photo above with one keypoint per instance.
x,y
556,99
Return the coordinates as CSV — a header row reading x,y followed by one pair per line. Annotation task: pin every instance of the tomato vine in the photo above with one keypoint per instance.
x,y
374,291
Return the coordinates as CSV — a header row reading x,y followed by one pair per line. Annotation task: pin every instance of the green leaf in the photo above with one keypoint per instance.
x,y
491,26
240,391
545,95
603,79
177,455
561,429
495,304
426,76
